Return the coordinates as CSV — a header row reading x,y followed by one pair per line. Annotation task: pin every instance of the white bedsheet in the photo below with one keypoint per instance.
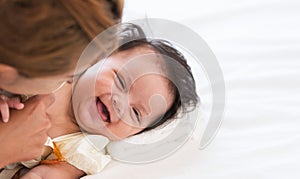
x,y
257,44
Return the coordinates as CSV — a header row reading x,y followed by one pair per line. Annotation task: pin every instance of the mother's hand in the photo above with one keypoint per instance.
x,y
24,136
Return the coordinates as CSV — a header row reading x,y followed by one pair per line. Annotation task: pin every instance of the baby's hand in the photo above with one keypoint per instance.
x,y
6,103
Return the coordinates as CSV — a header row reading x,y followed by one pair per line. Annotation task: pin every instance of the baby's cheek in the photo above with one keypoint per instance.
x,y
158,105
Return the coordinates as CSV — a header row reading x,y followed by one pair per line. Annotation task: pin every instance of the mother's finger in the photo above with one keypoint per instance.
x,y
4,109
15,103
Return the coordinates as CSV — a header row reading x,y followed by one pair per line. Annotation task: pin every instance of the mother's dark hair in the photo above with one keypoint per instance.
x,y
47,37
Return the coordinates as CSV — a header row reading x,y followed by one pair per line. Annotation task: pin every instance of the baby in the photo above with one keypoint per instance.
x,y
137,88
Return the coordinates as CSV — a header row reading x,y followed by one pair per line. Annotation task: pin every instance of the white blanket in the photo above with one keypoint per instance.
x,y
257,44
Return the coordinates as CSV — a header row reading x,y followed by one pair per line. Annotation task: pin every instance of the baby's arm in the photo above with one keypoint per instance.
x,y
61,170
6,103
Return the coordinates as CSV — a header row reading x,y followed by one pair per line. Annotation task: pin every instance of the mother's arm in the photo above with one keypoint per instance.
x,y
23,137
61,170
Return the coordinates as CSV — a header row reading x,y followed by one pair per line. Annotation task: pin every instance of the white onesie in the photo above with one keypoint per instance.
x,y
84,151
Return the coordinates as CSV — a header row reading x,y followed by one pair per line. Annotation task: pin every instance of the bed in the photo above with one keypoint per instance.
x,y
257,45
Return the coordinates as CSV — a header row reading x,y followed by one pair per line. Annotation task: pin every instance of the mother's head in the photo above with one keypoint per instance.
x,y
139,87
41,40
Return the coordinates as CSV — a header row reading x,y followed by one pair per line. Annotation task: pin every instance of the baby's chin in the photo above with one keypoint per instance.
x,y
116,138
103,131
111,136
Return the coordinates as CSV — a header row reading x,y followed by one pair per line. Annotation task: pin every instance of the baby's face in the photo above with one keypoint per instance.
x,y
131,92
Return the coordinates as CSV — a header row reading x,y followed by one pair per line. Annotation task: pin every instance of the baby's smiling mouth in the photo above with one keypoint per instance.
x,y
102,110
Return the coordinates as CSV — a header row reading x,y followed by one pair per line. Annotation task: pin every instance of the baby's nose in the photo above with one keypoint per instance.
x,y
119,105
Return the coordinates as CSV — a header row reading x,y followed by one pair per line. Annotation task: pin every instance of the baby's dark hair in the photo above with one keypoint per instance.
x,y
182,83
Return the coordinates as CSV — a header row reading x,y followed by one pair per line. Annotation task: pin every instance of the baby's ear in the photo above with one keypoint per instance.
x,y
8,74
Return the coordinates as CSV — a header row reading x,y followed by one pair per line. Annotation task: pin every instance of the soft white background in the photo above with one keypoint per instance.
x,y
257,44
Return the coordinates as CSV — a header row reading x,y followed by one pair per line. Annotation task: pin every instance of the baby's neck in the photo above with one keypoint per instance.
x,y
61,115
